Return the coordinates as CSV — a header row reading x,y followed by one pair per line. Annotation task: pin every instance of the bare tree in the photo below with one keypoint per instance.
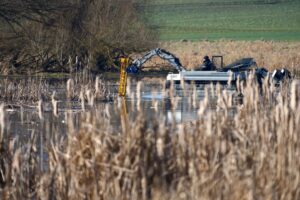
x,y
42,35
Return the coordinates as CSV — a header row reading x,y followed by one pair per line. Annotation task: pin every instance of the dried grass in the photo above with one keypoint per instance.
x,y
251,154
29,91
268,54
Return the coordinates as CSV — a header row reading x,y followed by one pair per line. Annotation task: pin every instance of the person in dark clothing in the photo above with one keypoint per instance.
x,y
207,65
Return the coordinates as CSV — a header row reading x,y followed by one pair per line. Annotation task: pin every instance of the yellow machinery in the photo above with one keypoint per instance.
x,y
122,92
123,77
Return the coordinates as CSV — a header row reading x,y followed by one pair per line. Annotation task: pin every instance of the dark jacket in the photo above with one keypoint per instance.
x,y
207,65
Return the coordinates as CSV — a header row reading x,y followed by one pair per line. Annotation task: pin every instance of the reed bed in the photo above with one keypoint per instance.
x,y
269,54
23,90
252,153
29,91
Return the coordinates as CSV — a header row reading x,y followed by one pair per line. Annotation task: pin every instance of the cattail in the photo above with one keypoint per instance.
x,y
40,109
219,91
81,97
202,109
138,95
70,63
119,102
144,187
128,86
90,97
70,85
22,114
132,98
294,95
194,96
54,104
69,121
174,102
138,89
155,105
191,169
212,90
225,100
76,60
2,120
209,125
172,89
164,89
231,77
266,84
160,147
238,84
182,85
107,112
97,90
181,135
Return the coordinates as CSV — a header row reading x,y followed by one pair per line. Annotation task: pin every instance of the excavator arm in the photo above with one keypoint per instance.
x,y
163,54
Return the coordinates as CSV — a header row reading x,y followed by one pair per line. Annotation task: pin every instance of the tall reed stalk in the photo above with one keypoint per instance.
x,y
246,151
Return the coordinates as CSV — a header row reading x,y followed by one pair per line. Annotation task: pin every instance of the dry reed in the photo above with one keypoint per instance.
x,y
268,54
250,154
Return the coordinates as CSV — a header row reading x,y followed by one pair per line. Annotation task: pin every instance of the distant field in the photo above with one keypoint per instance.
x,y
227,19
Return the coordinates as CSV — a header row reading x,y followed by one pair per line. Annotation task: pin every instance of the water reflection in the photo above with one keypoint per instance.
x,y
151,98
24,124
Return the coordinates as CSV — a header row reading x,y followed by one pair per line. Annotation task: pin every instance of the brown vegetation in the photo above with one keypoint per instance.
x,y
30,90
251,153
67,35
268,54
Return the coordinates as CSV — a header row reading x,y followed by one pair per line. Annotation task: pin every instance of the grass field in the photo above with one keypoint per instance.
x,y
227,19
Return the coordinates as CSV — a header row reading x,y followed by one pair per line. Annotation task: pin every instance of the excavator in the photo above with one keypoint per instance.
x,y
239,70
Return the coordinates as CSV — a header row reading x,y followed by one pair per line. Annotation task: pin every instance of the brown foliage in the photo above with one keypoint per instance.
x,y
269,54
251,153
46,35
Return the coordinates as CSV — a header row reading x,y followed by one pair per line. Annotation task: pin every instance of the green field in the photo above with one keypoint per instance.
x,y
227,19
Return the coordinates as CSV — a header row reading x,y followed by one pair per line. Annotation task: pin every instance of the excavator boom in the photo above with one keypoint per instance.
x,y
163,54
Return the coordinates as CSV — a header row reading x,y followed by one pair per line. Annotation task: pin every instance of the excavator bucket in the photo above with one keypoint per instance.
x,y
123,77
